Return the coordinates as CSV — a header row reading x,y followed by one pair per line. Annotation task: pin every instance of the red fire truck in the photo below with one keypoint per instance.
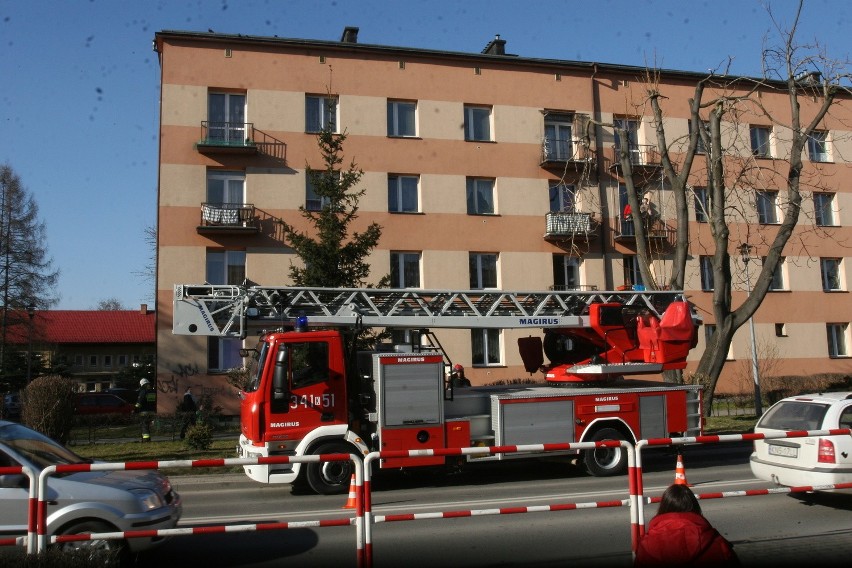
x,y
313,392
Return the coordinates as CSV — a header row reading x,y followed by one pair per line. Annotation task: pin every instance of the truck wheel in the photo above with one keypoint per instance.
x,y
330,478
603,462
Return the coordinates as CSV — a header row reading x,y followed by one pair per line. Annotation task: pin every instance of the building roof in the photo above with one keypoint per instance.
x,y
87,326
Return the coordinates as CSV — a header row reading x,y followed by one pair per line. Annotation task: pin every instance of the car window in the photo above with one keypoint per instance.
x,y
846,418
794,415
38,449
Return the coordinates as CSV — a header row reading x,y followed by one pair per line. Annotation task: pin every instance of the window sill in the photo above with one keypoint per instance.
x,y
483,214
406,212
485,141
780,290
404,137
835,291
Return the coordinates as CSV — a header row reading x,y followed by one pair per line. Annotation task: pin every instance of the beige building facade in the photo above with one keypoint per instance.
x,y
485,170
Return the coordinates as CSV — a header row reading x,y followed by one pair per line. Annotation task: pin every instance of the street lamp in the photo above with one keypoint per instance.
x,y
745,251
30,312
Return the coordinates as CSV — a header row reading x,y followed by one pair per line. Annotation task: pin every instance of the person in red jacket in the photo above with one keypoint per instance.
x,y
679,535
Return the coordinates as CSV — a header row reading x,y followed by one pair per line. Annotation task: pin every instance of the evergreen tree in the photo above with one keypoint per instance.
x,y
330,256
27,277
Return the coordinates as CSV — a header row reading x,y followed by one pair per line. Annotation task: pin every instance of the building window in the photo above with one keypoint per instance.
x,y
566,272
320,113
483,270
632,276
824,209
403,194
313,201
78,360
223,353
226,117
226,188
706,272
625,217
108,361
767,207
480,196
557,137
226,267
93,360
818,146
405,269
760,141
401,118
702,204
122,360
631,128
780,330
477,123
831,271
485,347
778,279
562,198
837,341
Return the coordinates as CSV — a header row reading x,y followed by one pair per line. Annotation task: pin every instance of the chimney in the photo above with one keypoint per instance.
x,y
350,35
143,309
496,46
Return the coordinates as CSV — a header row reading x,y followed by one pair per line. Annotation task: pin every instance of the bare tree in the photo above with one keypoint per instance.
x,y
27,277
147,274
735,180
110,305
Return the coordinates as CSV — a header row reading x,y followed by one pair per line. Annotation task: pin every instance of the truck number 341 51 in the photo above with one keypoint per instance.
x,y
311,401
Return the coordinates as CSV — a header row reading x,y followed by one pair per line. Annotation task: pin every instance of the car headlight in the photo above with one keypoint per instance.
x,y
148,499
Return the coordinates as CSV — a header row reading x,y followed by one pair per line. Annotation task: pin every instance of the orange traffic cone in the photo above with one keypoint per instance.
x,y
353,494
680,473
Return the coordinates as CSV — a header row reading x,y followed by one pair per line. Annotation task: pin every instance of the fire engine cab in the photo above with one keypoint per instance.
x,y
312,391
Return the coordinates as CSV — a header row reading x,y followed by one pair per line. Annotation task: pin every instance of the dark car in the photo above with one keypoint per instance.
x,y
101,403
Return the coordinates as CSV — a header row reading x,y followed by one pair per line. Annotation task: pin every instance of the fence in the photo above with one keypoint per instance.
x,y
364,519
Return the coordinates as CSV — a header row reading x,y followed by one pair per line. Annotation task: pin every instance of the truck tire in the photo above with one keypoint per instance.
x,y
330,478
604,462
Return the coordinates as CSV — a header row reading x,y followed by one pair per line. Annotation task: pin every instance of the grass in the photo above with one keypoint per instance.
x,y
739,424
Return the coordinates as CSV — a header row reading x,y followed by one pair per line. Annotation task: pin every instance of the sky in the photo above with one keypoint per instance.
x,y
79,88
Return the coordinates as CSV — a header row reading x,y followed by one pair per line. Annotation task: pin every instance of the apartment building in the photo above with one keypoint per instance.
x,y
485,170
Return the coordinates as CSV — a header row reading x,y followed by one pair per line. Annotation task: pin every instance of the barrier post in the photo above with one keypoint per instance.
x,y
32,500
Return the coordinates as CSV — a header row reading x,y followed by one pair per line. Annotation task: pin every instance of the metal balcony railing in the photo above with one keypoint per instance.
x,y
640,155
556,150
227,134
569,224
227,215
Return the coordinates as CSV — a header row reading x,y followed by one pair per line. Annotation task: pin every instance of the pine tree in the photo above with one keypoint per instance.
x,y
330,256
27,277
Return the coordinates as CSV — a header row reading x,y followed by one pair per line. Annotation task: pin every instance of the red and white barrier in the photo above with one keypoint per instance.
x,y
32,503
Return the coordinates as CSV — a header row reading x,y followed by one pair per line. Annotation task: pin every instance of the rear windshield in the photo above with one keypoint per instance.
x,y
794,415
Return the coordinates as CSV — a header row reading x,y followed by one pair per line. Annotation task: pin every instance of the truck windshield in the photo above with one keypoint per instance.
x,y
254,383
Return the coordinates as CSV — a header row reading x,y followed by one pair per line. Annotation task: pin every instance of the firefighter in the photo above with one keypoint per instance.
x,y
457,378
146,407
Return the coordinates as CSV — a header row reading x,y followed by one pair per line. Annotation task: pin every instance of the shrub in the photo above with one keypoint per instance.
x,y
47,405
199,436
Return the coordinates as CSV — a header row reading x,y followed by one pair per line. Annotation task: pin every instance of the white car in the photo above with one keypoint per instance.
x,y
818,460
85,502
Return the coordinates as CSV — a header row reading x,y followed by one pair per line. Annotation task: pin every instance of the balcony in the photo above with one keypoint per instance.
x,y
563,225
557,152
656,230
225,218
644,160
227,138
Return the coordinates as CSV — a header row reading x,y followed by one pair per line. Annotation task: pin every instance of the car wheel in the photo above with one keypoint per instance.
x,y
603,462
112,548
330,478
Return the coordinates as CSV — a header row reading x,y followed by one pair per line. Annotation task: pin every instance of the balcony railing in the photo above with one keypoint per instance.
x,y
655,228
562,224
561,150
578,287
642,157
228,216
227,137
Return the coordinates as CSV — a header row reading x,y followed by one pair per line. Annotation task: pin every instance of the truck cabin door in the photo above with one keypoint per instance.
x,y
305,392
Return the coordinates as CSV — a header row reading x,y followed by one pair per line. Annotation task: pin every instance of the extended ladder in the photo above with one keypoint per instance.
x,y
229,311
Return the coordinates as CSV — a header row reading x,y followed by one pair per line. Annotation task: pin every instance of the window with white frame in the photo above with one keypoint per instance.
x,y
108,361
778,279
706,263
480,196
226,193
702,204
566,272
831,274
405,269
225,267
320,113
313,200
403,193
838,342
402,118
485,347
632,275
562,198
767,207
557,136
226,117
760,138
824,209
631,131
483,270
477,123
818,146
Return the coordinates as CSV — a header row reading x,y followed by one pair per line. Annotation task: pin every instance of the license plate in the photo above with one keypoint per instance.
x,y
784,451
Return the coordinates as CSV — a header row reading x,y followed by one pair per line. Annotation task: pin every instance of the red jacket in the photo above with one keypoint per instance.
x,y
683,539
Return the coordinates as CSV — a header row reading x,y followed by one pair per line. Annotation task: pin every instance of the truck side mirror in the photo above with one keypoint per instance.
x,y
280,389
